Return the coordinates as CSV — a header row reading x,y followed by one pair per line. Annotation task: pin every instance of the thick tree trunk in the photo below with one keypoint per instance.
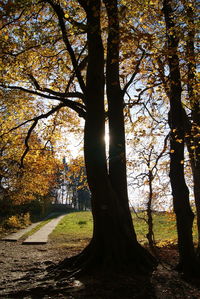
x,y
114,246
117,148
184,215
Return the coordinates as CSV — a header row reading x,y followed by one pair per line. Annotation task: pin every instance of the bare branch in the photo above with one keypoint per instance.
x,y
147,88
56,93
12,21
32,127
134,74
78,107
162,152
26,142
41,116
81,66
60,14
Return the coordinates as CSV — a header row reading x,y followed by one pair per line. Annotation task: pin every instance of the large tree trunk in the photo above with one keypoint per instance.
x,y
114,246
184,215
117,148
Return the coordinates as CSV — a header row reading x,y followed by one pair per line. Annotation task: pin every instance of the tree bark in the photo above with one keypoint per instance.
x,y
113,247
117,147
194,156
193,139
184,215
150,234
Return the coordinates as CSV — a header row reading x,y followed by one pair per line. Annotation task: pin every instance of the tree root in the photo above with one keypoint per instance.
x,y
189,270
92,261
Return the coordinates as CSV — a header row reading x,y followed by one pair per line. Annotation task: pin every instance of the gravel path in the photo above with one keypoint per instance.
x,y
41,236
16,236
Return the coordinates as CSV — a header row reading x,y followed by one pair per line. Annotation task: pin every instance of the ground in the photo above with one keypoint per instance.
x,y
24,271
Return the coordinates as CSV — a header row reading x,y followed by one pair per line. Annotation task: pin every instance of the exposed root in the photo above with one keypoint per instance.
x,y
189,270
94,261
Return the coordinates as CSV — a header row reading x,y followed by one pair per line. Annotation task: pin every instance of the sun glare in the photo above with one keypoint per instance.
x,y
106,138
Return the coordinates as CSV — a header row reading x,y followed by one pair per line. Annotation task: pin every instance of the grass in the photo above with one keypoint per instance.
x,y
164,228
77,226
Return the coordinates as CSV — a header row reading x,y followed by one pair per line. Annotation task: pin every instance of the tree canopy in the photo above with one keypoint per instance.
x,y
99,60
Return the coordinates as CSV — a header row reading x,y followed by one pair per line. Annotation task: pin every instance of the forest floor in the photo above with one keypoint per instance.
x,y
24,270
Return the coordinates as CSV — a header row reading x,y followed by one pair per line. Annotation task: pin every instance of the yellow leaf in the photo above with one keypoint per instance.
x,y
179,140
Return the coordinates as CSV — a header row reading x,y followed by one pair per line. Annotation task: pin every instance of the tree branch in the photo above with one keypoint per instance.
x,y
32,127
134,74
26,143
77,107
16,19
60,14
147,88
56,93
45,115
162,152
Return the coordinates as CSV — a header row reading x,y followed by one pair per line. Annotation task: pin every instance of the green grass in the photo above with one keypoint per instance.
x,y
164,228
77,226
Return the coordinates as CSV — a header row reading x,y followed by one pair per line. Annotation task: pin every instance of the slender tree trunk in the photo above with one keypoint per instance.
x,y
150,234
194,154
193,135
184,215
192,124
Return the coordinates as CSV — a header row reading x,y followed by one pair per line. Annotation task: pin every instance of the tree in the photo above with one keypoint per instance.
x,y
35,180
114,244
77,185
186,27
193,120
184,216
147,163
171,71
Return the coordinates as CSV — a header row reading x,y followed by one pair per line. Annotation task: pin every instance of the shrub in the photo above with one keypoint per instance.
x,y
12,222
17,221
26,219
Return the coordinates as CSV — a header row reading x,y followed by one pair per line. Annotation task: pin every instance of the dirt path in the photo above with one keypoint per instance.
x,y
19,263
40,236
16,236
24,268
